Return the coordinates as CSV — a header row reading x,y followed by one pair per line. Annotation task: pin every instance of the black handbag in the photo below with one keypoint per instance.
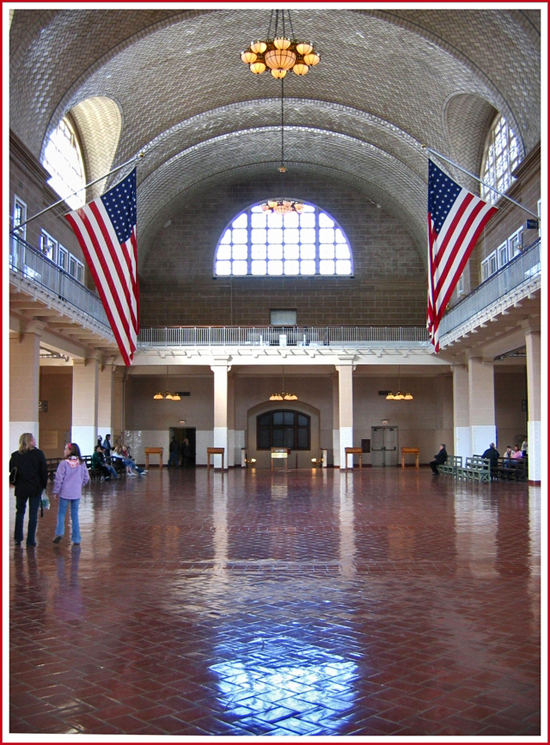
x,y
13,475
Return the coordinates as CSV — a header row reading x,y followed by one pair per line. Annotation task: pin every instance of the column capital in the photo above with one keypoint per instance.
x,y
34,326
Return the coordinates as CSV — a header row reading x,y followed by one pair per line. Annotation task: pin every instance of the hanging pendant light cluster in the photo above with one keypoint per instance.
x,y
399,396
283,395
159,396
280,52
281,205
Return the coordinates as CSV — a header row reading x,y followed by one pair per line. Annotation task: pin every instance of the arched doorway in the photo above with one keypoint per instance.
x,y
279,424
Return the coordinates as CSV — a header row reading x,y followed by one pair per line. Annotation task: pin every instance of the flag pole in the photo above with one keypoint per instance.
x,y
60,201
487,186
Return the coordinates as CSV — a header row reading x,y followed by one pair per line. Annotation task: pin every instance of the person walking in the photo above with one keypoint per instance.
x,y
70,477
30,478
174,453
185,453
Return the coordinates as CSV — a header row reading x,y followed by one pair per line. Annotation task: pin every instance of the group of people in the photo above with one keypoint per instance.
x,y
104,454
177,452
29,475
491,454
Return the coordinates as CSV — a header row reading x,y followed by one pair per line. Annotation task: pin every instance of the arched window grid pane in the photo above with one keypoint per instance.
x,y
501,158
283,428
63,160
257,244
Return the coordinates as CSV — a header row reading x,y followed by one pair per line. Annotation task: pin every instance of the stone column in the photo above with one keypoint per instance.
x,y
85,404
335,420
118,418
481,408
25,383
534,424
345,407
221,431
106,390
231,420
461,412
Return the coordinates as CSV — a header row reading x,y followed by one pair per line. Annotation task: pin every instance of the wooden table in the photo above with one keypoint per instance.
x,y
280,453
352,452
153,451
215,451
410,451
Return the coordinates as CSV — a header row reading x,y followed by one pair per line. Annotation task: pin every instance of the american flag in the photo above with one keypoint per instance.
x,y
455,220
106,231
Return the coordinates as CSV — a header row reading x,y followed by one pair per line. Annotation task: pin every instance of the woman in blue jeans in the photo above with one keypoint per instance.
x,y
70,477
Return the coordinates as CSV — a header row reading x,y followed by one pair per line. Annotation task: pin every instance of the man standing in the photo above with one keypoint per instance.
x,y
107,447
438,460
493,455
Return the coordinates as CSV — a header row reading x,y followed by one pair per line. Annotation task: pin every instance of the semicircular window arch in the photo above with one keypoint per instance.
x,y
265,244
63,159
501,157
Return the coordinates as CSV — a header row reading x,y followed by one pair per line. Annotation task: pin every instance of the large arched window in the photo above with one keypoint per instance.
x,y
63,159
266,244
502,156
283,429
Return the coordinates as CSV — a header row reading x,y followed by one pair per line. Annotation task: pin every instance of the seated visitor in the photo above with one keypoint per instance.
x,y
132,469
517,454
98,461
438,460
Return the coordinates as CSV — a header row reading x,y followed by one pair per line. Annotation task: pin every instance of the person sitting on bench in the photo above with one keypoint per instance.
x,y
438,460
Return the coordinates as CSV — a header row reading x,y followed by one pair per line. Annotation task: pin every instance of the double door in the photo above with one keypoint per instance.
x,y
384,446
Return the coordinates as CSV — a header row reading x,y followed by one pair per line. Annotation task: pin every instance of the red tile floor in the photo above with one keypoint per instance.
x,y
375,602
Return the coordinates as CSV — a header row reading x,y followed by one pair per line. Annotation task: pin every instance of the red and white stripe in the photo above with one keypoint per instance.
x,y
449,252
114,269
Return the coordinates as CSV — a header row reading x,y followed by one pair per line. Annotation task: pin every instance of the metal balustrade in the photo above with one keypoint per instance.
x,y
265,336
522,270
30,264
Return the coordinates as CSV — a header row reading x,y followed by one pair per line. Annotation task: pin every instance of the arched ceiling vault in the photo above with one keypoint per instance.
x,y
407,78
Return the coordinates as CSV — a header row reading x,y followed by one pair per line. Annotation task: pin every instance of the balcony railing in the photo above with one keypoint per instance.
x,y
522,270
331,336
29,263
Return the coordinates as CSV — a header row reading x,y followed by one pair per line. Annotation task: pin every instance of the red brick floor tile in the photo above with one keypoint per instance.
x,y
278,605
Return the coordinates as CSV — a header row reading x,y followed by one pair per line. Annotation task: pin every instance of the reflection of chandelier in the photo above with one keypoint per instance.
x,y
281,205
399,396
281,52
283,396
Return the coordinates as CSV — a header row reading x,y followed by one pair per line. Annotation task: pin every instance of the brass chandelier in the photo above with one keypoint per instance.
x,y
282,205
280,52
159,396
399,396
283,395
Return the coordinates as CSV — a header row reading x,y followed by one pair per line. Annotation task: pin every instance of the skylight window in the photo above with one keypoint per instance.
x,y
63,159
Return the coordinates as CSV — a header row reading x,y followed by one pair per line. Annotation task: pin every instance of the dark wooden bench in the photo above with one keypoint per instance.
x,y
509,469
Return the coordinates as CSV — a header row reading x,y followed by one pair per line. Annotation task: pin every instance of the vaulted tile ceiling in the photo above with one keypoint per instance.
x,y
172,81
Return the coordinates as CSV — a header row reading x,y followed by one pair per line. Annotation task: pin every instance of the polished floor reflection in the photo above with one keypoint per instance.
x,y
374,602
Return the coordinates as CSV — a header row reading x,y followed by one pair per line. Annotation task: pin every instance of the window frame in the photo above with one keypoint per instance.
x,y
52,243
502,155
282,427
258,249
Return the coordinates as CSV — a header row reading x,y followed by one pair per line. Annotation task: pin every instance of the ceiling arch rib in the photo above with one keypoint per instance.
x,y
318,149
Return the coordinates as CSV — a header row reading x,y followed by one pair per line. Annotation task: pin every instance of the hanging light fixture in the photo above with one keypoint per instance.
x,y
283,396
280,52
399,396
282,205
159,396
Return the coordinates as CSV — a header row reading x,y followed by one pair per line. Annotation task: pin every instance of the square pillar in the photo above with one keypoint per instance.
x,y
85,404
25,384
106,390
461,413
221,433
345,409
481,404
534,423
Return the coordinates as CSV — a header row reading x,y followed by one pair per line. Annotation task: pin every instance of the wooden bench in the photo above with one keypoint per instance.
x,y
476,468
215,451
509,469
451,466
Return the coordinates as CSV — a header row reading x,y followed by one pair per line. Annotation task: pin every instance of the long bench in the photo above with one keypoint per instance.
x,y
451,466
476,468
95,473
511,470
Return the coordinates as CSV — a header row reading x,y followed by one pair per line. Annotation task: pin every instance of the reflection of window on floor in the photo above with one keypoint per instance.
x,y
283,429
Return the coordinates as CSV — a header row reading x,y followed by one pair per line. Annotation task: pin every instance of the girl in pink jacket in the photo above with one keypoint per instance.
x,y
70,477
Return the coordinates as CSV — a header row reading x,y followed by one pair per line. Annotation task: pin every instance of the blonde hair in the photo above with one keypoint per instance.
x,y
25,442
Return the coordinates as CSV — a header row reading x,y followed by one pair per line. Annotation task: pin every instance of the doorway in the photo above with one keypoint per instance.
x,y
384,446
180,433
